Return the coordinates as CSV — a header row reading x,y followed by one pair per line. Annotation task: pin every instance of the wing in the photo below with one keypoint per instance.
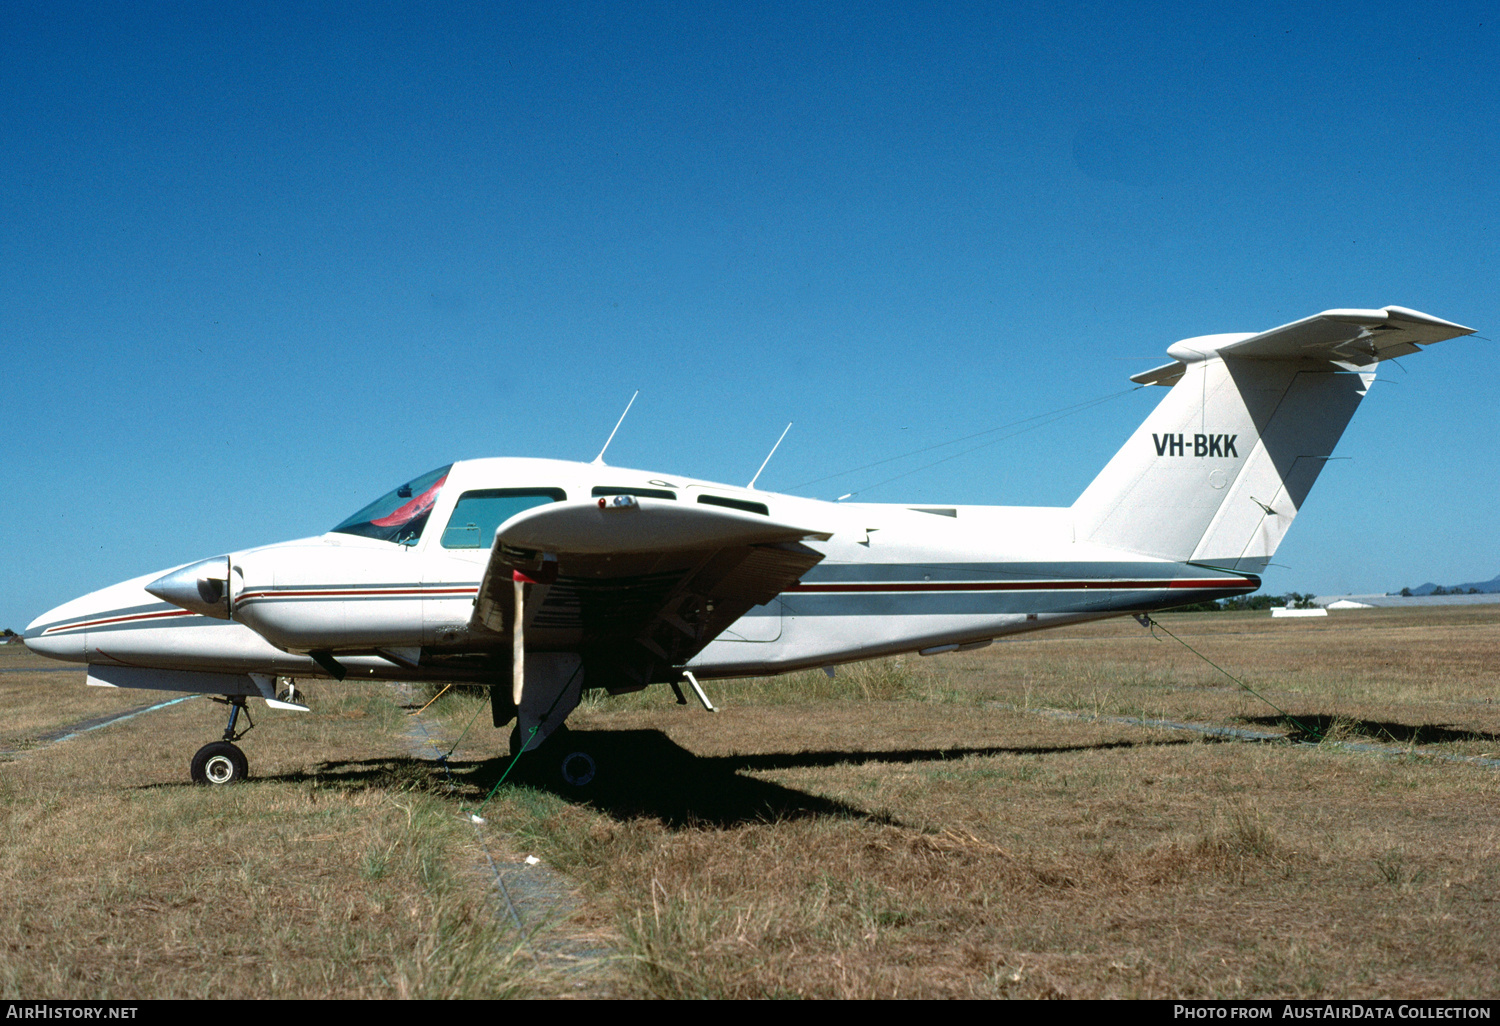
x,y
1352,338
638,585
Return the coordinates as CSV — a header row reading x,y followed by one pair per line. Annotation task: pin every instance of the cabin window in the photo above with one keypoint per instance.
x,y
640,493
400,515
478,513
741,504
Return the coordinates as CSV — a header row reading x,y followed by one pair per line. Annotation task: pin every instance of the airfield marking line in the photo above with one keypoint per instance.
x,y
1149,621
84,726
540,887
494,870
1361,747
542,890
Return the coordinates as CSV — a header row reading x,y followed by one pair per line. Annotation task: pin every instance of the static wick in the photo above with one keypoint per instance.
x,y
599,459
769,455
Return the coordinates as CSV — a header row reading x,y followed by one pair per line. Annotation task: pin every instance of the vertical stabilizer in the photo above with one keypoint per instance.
x,y
1220,468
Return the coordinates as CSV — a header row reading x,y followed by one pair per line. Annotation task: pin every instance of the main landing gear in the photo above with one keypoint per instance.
x,y
560,759
222,762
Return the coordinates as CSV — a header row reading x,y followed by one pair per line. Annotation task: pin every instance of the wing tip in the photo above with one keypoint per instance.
x,y
1426,321
1398,316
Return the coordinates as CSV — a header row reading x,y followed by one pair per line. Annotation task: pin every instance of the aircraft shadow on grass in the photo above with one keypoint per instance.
x,y
1320,725
644,773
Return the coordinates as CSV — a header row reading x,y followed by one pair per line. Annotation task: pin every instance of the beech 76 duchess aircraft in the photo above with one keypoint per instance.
x,y
543,578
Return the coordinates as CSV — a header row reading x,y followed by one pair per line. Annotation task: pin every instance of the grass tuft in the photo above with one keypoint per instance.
x,y
918,827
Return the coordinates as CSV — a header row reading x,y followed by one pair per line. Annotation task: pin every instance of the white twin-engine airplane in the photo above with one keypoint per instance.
x,y
543,578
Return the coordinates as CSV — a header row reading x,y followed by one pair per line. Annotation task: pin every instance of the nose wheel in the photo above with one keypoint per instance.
x,y
222,762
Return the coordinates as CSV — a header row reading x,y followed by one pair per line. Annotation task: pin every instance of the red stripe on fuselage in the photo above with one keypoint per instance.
x,y
118,619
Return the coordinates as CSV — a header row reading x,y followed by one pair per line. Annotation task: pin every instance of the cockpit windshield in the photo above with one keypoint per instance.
x,y
399,516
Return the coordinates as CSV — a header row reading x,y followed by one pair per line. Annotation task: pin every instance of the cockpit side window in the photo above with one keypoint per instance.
x,y
400,515
477,514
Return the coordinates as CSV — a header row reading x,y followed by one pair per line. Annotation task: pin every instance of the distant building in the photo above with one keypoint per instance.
x,y
1401,601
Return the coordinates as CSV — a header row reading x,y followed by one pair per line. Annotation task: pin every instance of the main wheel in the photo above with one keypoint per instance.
x,y
559,760
220,763
578,769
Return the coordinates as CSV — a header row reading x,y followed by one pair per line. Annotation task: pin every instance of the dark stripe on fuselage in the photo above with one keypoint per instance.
x,y
73,621
846,589
187,620
909,587
894,602
400,591
1113,571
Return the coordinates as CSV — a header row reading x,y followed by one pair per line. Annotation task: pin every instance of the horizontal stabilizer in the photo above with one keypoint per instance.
x,y
1347,338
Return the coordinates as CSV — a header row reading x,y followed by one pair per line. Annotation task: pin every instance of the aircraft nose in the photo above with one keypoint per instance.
x,y
46,636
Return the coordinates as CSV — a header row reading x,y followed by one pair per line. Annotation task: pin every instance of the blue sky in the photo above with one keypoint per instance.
x,y
260,265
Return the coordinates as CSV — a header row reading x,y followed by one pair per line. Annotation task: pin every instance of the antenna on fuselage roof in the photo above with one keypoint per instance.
x,y
763,462
599,459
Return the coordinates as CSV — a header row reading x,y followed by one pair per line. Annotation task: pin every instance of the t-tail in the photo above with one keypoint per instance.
x,y
1220,468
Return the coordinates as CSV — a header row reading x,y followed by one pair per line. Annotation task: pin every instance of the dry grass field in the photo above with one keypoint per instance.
x,y
985,824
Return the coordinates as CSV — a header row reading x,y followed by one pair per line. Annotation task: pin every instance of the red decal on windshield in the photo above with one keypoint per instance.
x,y
421,504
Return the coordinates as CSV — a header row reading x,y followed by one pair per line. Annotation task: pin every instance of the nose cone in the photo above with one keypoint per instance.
x,y
201,587
49,635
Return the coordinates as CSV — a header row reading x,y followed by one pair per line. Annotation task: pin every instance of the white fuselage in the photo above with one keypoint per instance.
x,y
893,579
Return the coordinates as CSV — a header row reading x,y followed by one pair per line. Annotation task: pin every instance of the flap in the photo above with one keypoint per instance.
x,y
644,583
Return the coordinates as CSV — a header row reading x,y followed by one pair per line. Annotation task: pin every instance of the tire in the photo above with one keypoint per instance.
x,y
220,763
577,769
557,762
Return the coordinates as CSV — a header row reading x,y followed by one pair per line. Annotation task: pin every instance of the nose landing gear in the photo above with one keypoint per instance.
x,y
222,762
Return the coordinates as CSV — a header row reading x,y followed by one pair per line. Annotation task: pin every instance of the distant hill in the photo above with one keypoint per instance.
x,y
1485,587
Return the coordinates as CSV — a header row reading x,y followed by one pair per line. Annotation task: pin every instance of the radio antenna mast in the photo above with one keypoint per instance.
x,y
756,478
599,459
